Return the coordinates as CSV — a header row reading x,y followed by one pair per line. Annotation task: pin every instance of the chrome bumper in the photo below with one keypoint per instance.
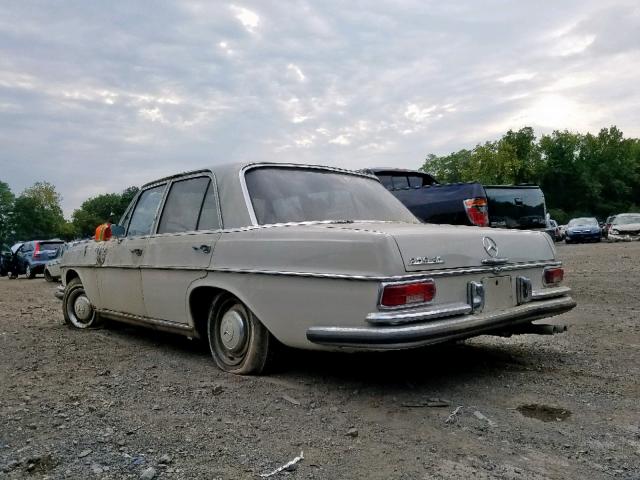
x,y
440,330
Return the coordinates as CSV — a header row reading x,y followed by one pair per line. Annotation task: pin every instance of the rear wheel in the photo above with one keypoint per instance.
x,y
29,272
76,307
239,342
47,276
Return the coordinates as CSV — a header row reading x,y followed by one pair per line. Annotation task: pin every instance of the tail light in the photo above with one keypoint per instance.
x,y
407,293
36,251
553,276
477,211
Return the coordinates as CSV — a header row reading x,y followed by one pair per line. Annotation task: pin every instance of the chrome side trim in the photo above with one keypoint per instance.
x,y
436,311
147,321
414,276
549,293
438,331
340,276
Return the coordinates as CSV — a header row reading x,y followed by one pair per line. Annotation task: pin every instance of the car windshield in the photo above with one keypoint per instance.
x,y
293,194
591,222
626,219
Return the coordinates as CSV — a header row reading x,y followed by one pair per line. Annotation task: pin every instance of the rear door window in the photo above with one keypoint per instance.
x,y
184,205
145,212
209,218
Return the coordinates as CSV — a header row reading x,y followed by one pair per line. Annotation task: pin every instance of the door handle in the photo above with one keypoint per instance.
x,y
202,248
136,251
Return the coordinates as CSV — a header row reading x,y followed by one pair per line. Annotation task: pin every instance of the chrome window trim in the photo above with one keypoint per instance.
x,y
247,197
383,285
189,176
155,218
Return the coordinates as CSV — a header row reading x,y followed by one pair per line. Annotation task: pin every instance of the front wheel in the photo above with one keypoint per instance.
x,y
76,307
239,342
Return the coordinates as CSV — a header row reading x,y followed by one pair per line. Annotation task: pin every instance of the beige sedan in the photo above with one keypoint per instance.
x,y
250,256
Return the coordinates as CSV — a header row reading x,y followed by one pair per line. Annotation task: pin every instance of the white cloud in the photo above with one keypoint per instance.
x,y
297,73
248,18
517,77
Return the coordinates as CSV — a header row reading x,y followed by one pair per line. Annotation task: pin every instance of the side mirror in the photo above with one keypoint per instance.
x,y
117,231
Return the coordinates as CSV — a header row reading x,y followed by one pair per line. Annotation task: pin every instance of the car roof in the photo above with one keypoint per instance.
x,y
233,206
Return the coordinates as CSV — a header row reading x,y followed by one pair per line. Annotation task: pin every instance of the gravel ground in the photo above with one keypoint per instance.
x,y
124,402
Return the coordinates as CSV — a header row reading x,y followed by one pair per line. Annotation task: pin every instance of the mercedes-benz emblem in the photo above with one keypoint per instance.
x,y
490,246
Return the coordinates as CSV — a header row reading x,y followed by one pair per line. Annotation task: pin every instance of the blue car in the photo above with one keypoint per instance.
x,y
584,229
30,258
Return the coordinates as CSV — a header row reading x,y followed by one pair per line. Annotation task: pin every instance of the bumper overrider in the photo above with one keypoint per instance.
x,y
407,328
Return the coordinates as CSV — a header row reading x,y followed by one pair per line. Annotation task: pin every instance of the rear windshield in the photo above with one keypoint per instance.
x,y
50,245
282,195
583,221
516,207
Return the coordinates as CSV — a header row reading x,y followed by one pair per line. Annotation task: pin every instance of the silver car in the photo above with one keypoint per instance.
x,y
249,256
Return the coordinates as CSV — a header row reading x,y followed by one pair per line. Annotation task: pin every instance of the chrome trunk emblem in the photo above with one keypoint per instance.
x,y
426,260
490,246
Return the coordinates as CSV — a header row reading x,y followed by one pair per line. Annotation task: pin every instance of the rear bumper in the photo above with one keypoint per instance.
x,y
441,330
622,237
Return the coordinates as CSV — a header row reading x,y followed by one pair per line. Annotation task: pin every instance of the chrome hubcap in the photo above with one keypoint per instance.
x,y
233,331
82,308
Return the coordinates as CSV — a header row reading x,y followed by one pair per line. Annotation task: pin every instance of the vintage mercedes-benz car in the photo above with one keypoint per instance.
x,y
252,255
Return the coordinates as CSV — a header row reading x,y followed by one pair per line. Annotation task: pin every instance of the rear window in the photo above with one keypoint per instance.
x,y
516,207
50,245
281,195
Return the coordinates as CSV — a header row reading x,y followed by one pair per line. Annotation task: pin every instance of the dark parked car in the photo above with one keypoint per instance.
x,y
432,202
31,257
583,229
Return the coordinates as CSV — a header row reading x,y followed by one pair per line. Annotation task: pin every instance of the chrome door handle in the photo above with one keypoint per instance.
x,y
202,248
136,251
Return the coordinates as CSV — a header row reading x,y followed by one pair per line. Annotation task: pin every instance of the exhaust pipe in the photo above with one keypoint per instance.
x,y
541,329
535,329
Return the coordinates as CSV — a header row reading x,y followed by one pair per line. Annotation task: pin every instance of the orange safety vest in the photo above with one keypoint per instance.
x,y
103,232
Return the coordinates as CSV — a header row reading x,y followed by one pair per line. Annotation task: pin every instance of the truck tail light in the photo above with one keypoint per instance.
x,y
553,276
408,293
477,211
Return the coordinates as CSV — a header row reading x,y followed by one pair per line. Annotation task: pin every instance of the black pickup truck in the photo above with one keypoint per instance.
x,y
501,206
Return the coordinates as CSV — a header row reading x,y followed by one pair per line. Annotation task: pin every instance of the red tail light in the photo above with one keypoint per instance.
x,y
553,275
477,211
408,293
36,251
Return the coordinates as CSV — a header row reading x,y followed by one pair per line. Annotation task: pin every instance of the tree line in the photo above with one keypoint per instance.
x,y
36,213
580,174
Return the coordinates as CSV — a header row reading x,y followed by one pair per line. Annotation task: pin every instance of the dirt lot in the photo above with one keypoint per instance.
x,y
123,402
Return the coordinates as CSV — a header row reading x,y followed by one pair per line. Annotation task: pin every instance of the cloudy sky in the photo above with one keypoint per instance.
x,y
97,96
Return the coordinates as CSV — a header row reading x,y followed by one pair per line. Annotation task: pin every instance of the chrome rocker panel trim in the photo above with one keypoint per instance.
x,y
453,328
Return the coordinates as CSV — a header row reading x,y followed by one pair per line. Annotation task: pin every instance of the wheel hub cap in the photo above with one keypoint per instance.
x,y
82,308
232,331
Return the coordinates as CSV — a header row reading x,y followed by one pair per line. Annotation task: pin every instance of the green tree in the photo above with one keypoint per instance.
x,y
7,200
37,213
